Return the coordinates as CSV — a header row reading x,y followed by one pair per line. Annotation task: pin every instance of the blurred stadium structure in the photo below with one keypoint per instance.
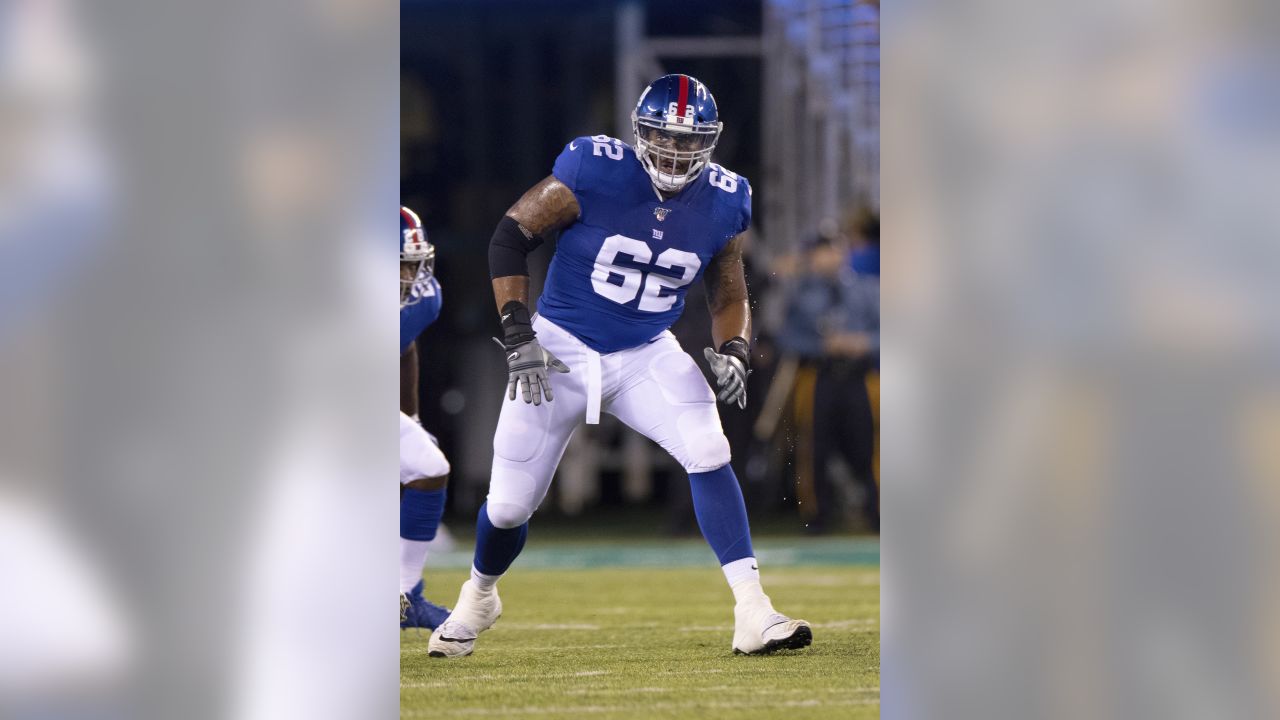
x,y
797,82
822,111
820,64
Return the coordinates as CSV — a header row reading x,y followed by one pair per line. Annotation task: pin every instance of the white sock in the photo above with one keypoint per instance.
x,y
744,580
483,582
413,555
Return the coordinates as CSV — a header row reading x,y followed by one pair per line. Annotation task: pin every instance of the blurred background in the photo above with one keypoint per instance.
x,y
492,90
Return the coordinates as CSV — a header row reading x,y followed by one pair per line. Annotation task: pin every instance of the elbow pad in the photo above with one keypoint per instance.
x,y
509,249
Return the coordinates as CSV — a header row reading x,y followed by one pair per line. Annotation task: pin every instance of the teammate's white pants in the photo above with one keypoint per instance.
x,y
419,457
655,389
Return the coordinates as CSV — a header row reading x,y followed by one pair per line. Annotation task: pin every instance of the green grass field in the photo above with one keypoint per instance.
x,y
643,630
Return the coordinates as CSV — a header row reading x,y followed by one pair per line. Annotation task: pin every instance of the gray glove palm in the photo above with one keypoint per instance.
x,y
731,377
527,366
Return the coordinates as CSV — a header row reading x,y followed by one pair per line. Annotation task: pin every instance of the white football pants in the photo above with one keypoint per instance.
x,y
655,389
419,457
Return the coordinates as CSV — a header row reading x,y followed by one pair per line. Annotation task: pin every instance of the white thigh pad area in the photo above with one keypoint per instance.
x,y
523,431
672,405
679,379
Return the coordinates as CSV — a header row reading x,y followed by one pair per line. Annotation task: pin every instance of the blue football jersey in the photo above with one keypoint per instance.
x,y
415,318
621,271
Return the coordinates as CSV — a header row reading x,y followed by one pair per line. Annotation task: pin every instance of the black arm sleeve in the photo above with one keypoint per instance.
x,y
509,249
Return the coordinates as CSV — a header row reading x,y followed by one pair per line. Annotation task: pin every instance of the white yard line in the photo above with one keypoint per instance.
x,y
547,648
837,624
455,679
868,623
547,626
571,710
725,688
754,690
617,691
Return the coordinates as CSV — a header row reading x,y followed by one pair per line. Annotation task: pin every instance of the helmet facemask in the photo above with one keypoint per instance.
x,y
417,265
673,153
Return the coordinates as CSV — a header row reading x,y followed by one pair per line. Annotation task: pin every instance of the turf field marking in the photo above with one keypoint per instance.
x,y
617,691
731,688
781,691
825,581
833,625
840,624
455,679
550,626
543,648
571,710
863,552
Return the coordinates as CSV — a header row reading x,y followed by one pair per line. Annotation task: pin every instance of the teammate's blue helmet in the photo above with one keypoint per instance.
x,y
417,258
676,126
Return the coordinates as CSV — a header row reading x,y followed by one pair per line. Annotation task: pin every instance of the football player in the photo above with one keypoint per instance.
x,y
639,226
424,471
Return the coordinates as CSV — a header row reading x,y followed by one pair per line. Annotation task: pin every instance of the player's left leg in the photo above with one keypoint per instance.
x,y
664,396
527,446
424,474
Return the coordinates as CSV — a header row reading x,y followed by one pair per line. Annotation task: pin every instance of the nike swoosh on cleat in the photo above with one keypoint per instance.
x,y
457,640
753,567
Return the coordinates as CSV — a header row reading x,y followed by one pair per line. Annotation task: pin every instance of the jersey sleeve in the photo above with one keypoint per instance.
x,y
745,211
734,208
439,303
569,164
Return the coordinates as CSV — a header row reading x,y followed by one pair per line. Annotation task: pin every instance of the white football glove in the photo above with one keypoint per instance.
x,y
527,366
730,366
527,361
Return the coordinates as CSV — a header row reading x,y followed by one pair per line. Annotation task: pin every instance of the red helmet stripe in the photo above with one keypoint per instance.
x,y
684,95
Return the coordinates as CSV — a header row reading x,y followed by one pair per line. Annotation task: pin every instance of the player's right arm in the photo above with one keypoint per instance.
x,y
546,207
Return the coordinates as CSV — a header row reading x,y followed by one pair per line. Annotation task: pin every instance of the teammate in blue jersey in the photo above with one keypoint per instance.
x,y
424,471
639,226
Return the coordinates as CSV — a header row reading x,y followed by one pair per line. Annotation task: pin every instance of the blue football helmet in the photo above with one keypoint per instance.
x,y
676,125
417,258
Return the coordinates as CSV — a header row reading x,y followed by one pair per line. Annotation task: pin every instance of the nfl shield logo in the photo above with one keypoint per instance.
x,y
661,213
